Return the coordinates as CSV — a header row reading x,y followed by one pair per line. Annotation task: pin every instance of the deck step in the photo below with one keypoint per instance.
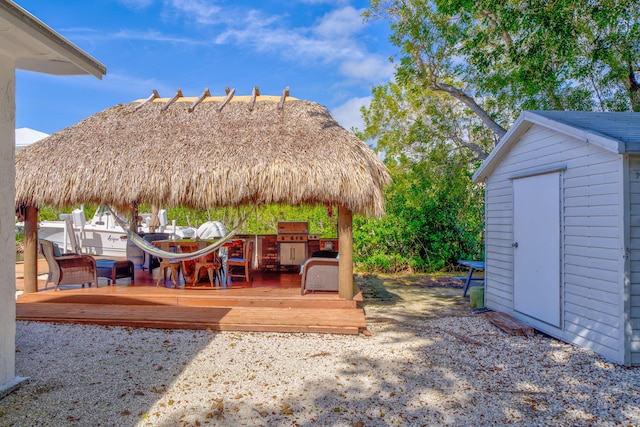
x,y
190,298
262,319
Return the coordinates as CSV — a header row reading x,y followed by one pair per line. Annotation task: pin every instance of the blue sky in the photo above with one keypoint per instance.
x,y
321,49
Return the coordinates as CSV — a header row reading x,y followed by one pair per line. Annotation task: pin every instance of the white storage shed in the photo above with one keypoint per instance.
x,y
562,205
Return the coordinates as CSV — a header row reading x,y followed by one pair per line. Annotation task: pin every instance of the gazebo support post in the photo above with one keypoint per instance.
x,y
31,250
345,249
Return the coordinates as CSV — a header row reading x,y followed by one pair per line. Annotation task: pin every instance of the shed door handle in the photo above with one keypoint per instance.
x,y
514,244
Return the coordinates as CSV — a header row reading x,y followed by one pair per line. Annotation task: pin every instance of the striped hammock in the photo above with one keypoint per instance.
x,y
188,256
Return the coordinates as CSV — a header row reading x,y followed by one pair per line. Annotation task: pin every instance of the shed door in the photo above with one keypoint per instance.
x,y
536,230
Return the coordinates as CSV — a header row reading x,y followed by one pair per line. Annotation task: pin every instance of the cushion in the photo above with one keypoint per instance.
x,y
324,254
105,263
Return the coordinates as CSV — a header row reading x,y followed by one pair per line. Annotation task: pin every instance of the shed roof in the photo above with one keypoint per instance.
x,y
612,131
36,47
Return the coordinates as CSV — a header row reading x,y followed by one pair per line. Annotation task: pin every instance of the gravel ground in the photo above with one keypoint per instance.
x,y
450,370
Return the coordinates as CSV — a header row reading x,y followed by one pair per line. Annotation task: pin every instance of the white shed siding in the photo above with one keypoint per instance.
x,y
592,239
634,257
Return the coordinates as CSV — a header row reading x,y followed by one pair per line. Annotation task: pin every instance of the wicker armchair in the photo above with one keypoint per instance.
x,y
319,274
70,269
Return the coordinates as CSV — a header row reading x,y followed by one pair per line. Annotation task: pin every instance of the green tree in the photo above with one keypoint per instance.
x,y
464,72
261,220
497,58
433,218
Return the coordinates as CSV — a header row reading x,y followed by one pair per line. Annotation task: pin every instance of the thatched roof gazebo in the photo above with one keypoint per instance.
x,y
207,152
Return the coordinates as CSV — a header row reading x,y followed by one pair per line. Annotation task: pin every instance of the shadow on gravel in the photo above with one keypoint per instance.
x,y
411,297
429,362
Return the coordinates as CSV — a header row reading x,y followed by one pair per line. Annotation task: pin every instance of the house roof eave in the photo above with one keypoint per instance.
x,y
37,47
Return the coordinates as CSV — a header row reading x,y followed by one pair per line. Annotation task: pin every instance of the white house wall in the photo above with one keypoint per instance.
x,y
592,241
634,258
7,225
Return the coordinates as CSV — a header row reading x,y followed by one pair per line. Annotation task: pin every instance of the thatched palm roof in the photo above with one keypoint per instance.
x,y
216,155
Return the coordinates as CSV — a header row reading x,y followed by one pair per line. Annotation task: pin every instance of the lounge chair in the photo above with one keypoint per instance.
x,y
319,274
71,235
72,269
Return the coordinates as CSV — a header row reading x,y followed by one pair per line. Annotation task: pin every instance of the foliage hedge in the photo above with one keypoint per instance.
x,y
434,217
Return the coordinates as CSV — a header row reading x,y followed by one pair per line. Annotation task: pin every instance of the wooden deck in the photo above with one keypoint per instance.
x,y
270,303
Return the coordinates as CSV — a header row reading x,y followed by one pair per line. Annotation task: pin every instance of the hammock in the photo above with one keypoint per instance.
x,y
149,248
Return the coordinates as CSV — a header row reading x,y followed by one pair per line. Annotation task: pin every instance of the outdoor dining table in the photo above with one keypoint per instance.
x,y
192,245
473,267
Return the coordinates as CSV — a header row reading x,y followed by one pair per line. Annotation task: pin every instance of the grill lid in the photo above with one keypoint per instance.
x,y
293,227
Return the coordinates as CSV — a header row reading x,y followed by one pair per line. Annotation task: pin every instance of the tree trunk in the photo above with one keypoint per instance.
x,y
473,106
634,90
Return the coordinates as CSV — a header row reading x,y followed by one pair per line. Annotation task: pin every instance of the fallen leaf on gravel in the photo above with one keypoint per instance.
x,y
263,414
285,409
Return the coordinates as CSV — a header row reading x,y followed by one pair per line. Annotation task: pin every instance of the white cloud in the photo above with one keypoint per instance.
x,y
372,68
136,4
336,2
349,115
130,86
295,45
93,35
199,11
154,36
332,40
340,23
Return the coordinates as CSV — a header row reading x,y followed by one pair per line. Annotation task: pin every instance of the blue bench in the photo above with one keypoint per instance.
x,y
473,267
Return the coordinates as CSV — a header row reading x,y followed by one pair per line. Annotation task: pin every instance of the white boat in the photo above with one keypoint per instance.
x,y
102,235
